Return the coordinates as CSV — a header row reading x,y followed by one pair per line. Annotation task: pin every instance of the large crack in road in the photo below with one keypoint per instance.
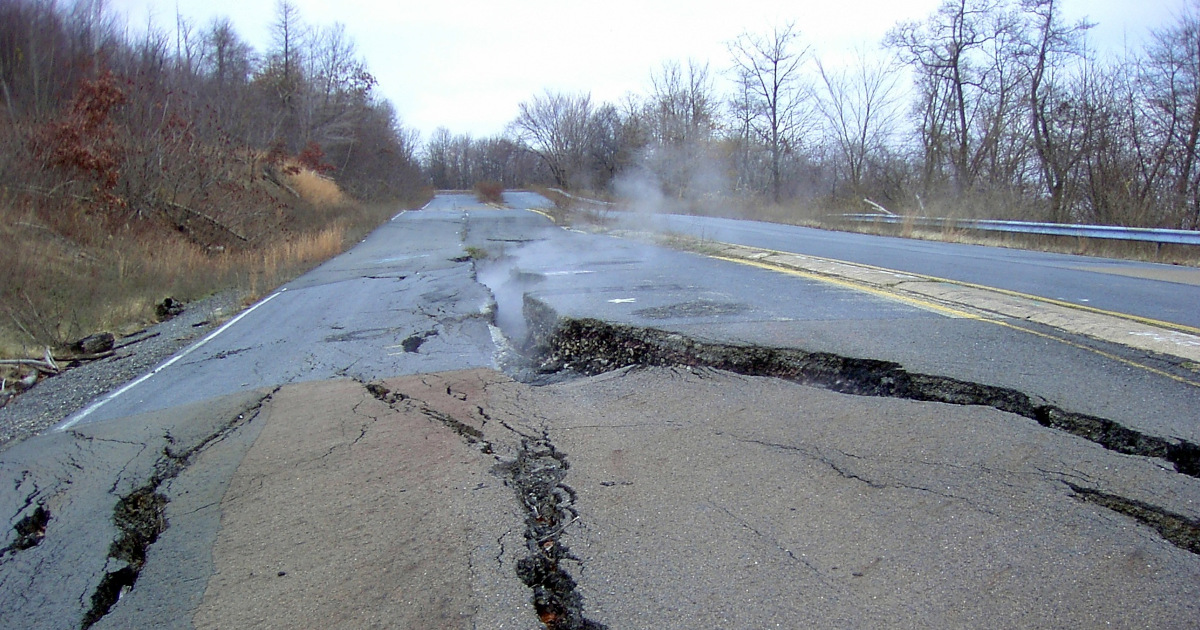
x,y
586,347
140,518
551,347
537,475
590,346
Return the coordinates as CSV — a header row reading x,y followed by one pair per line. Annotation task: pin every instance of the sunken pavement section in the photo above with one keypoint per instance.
x,y
657,481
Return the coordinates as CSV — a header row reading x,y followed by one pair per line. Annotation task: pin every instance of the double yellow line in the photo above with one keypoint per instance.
x,y
850,284
953,312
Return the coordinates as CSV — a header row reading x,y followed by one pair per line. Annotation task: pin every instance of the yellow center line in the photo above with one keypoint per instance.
x,y
1107,355
938,308
547,215
856,286
1090,309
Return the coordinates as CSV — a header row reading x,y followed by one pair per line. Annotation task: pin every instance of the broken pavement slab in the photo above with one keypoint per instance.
x,y
685,498
350,511
80,478
708,499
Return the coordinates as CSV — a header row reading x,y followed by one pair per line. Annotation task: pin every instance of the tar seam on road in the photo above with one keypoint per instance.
x,y
951,312
78,417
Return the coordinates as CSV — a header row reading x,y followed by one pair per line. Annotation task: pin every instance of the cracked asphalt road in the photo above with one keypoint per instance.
x,y
355,452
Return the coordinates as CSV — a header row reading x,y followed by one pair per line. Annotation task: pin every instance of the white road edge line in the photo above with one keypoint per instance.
x,y
79,416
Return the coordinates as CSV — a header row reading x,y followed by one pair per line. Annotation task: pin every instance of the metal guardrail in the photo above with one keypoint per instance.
x,y
1112,232
568,195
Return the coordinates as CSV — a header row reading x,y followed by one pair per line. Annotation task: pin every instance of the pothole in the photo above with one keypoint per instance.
x,y
30,530
413,343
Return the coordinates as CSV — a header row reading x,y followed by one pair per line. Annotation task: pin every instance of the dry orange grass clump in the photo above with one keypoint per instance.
x,y
490,192
318,190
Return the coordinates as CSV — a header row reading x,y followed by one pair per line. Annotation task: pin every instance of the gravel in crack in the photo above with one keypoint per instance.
x,y
54,399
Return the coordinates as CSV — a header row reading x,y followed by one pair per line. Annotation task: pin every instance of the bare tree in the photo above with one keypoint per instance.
x,y
967,88
1055,131
555,127
681,117
437,158
860,106
608,150
339,91
226,59
284,71
771,69
1171,78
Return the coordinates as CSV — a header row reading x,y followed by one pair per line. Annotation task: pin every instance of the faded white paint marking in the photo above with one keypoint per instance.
x,y
75,419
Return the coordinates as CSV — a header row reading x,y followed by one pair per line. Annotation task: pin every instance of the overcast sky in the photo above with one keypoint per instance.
x,y
466,65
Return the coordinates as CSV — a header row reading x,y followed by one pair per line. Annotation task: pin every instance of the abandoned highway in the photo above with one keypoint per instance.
x,y
477,418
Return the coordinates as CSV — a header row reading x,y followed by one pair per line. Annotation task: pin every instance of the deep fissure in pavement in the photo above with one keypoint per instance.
x,y
30,531
140,518
1179,530
589,346
537,476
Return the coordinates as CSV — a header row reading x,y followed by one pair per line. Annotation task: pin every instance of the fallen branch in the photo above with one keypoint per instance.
x,y
38,364
211,220
95,356
879,207
49,364
49,361
274,178
130,343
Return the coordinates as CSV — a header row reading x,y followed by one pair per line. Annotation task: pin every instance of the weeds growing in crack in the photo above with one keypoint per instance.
x,y
537,476
140,518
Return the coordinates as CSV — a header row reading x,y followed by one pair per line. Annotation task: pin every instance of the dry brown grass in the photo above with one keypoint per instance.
x,y
318,190
490,192
65,277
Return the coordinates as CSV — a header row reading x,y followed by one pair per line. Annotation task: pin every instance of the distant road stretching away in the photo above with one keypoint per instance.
x,y
1163,292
